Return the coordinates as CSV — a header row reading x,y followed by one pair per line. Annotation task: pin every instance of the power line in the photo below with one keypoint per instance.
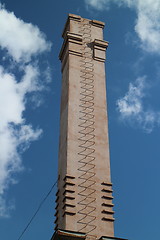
x,y
38,209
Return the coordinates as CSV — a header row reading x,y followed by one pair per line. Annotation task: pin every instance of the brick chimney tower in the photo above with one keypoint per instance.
x,y
84,198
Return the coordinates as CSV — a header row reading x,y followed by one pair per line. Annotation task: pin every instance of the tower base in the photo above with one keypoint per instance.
x,y
70,235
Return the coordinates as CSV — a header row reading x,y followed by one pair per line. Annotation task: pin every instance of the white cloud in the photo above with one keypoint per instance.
x,y
105,4
131,103
15,134
21,41
147,24
5,208
132,109
98,4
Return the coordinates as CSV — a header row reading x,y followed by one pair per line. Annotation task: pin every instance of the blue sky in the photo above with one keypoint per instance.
x,y
30,82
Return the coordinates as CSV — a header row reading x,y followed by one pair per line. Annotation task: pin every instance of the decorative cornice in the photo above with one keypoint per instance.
x,y
99,47
101,43
74,17
111,238
98,23
68,235
70,17
71,45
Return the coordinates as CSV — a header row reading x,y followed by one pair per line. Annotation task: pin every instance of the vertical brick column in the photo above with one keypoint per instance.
x,y
84,197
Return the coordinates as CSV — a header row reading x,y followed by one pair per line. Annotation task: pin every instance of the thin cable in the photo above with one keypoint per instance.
x,y
39,207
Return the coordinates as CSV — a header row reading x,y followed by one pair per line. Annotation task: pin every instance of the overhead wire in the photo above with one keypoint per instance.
x,y
38,209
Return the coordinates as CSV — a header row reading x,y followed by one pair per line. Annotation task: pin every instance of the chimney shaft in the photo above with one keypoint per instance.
x,y
84,197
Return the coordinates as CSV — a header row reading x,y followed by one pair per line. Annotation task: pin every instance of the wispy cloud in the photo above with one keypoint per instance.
x,y
19,76
132,109
105,4
97,4
147,24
